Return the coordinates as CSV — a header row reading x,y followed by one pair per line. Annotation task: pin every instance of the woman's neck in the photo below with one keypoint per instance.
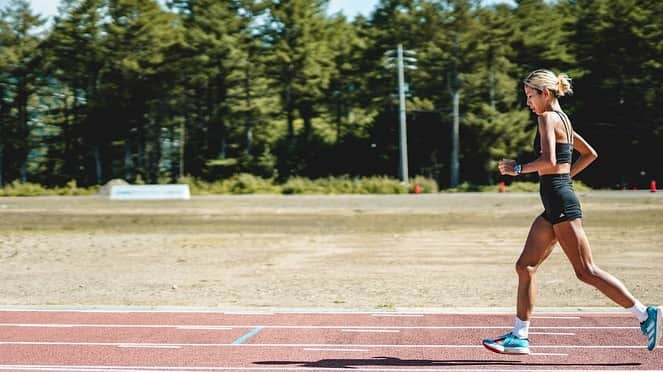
x,y
554,105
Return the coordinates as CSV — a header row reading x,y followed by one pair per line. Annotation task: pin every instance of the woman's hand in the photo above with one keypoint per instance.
x,y
506,167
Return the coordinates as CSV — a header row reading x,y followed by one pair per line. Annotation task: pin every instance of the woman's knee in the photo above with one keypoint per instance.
x,y
588,273
525,269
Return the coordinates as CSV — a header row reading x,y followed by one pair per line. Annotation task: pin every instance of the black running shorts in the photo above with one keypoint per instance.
x,y
559,200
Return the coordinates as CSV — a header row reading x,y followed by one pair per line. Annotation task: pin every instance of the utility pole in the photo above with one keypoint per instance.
x,y
181,171
402,62
455,90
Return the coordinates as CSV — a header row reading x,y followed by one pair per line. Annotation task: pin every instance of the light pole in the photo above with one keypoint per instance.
x,y
404,60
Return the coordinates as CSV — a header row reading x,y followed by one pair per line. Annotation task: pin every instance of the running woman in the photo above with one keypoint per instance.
x,y
561,220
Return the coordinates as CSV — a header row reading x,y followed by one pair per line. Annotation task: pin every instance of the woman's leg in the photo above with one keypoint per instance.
x,y
572,238
538,246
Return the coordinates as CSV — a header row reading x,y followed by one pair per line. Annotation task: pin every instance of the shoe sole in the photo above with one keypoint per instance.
x,y
510,351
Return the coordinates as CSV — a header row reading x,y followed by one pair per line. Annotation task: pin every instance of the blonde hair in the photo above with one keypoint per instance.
x,y
560,84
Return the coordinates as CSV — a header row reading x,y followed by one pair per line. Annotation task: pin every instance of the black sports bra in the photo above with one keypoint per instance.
x,y
563,151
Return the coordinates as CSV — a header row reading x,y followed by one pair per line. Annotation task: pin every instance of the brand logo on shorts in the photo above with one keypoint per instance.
x,y
561,215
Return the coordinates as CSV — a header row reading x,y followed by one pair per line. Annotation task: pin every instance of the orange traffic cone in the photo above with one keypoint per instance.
x,y
417,188
502,187
652,186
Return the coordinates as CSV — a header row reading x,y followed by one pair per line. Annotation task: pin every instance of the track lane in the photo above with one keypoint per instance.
x,y
313,341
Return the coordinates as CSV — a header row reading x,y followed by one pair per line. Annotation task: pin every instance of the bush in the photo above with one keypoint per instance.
x,y
426,185
72,189
381,185
338,185
522,187
17,188
465,187
300,185
196,187
245,183
513,187
248,184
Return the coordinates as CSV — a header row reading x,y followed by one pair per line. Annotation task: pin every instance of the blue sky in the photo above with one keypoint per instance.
x,y
350,8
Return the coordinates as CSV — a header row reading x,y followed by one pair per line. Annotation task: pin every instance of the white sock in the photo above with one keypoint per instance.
x,y
639,311
521,328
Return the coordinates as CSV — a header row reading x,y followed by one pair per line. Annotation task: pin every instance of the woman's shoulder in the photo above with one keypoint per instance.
x,y
547,118
548,115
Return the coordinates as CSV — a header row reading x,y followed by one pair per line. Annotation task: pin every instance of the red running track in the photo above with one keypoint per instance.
x,y
83,340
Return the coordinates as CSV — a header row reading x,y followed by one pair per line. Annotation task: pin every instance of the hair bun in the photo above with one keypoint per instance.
x,y
563,85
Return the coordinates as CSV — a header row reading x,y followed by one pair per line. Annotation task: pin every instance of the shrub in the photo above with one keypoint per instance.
x,y
426,185
381,185
338,185
72,189
17,188
522,187
245,183
300,185
196,187
464,187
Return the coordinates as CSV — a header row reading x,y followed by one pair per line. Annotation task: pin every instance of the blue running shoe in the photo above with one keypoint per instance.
x,y
507,344
652,326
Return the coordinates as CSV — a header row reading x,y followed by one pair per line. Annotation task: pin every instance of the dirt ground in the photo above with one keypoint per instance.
x,y
358,252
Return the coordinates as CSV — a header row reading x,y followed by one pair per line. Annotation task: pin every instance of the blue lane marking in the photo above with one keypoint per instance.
x,y
247,336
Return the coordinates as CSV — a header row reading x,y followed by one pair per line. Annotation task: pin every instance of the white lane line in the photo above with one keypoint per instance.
x,y
557,317
570,311
333,349
363,330
246,313
472,346
84,325
148,346
374,346
553,333
235,326
204,328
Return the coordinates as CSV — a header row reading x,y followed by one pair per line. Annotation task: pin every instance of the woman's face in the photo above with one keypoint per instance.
x,y
536,100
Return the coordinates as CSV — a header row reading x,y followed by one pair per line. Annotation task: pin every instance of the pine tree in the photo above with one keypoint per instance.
x,y
213,63
20,62
296,35
136,81
74,60
618,47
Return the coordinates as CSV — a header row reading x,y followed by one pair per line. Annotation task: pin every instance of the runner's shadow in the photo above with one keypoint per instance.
x,y
389,361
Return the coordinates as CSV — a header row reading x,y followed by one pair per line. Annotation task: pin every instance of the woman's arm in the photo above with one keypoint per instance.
x,y
547,159
587,154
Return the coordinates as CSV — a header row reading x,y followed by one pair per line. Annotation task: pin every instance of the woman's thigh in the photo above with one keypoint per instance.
x,y
574,242
539,244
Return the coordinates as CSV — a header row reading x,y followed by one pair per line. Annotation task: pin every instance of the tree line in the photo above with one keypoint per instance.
x,y
206,88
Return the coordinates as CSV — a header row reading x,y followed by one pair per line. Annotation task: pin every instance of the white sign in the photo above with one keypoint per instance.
x,y
150,192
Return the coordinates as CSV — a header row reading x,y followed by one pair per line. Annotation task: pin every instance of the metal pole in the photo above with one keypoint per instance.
x,y
182,149
402,127
455,147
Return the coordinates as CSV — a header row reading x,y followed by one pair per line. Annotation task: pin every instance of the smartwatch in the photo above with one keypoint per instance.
x,y
518,168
